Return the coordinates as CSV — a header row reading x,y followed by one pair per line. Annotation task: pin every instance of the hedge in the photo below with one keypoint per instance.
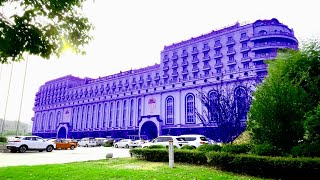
x,y
162,155
265,166
3,139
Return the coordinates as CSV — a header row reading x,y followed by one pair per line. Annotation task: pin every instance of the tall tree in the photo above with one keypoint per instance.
x,y
42,27
225,108
285,106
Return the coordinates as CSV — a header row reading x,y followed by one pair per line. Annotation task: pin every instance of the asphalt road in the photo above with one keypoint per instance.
x,y
60,156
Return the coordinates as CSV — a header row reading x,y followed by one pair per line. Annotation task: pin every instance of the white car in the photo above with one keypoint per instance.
x,y
195,140
123,143
137,143
25,143
86,142
164,141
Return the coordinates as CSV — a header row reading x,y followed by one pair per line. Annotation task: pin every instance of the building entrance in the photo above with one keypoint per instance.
x,y
62,133
149,129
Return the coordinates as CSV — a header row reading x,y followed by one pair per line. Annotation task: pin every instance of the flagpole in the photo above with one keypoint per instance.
x,y
6,106
24,80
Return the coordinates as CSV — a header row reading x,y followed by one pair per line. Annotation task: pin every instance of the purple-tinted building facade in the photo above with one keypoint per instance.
x,y
160,99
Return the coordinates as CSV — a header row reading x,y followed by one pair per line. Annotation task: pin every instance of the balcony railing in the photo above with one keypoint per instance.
x,y
260,57
175,65
274,45
175,74
217,46
184,54
217,56
231,52
206,67
230,42
195,69
273,34
194,61
195,51
244,38
184,63
244,49
184,72
206,58
206,49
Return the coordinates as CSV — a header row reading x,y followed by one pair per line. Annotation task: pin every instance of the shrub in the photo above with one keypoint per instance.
x,y
236,148
3,139
306,150
156,147
174,147
209,147
188,147
266,150
266,166
162,155
108,144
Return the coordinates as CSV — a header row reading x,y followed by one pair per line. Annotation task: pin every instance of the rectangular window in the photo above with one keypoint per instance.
x,y
231,58
218,70
231,68
243,35
245,55
230,39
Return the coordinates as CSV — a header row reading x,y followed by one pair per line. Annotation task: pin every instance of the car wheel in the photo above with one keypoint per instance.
x,y
86,145
116,146
40,150
49,148
127,146
72,147
22,149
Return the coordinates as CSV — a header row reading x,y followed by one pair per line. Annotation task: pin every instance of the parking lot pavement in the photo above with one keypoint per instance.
x,y
60,156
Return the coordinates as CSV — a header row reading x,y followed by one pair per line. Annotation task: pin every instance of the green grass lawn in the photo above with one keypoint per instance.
x,y
124,168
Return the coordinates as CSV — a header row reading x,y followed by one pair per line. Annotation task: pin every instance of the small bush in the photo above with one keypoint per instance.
x,y
236,148
156,147
174,147
306,150
3,139
209,147
188,147
108,144
266,150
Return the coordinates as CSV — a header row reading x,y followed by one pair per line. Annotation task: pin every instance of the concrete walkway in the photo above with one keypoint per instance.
x,y
60,156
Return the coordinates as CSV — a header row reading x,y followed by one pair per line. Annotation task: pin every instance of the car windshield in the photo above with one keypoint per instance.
x,y
203,138
180,139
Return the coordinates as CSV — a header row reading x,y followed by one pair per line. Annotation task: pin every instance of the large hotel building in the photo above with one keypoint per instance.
x,y
161,99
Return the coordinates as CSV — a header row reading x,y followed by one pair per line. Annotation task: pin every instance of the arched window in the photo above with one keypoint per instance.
x,y
88,116
84,115
189,104
111,117
124,113
139,110
105,114
93,116
99,115
43,121
74,112
242,102
35,123
117,114
78,118
58,118
131,112
169,110
213,109
50,121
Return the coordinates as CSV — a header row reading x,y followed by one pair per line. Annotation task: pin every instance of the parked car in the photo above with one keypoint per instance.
x,y
164,141
86,142
26,143
123,143
137,143
195,140
65,144
100,141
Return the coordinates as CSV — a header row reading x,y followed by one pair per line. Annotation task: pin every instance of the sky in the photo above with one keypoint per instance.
x,y
131,34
